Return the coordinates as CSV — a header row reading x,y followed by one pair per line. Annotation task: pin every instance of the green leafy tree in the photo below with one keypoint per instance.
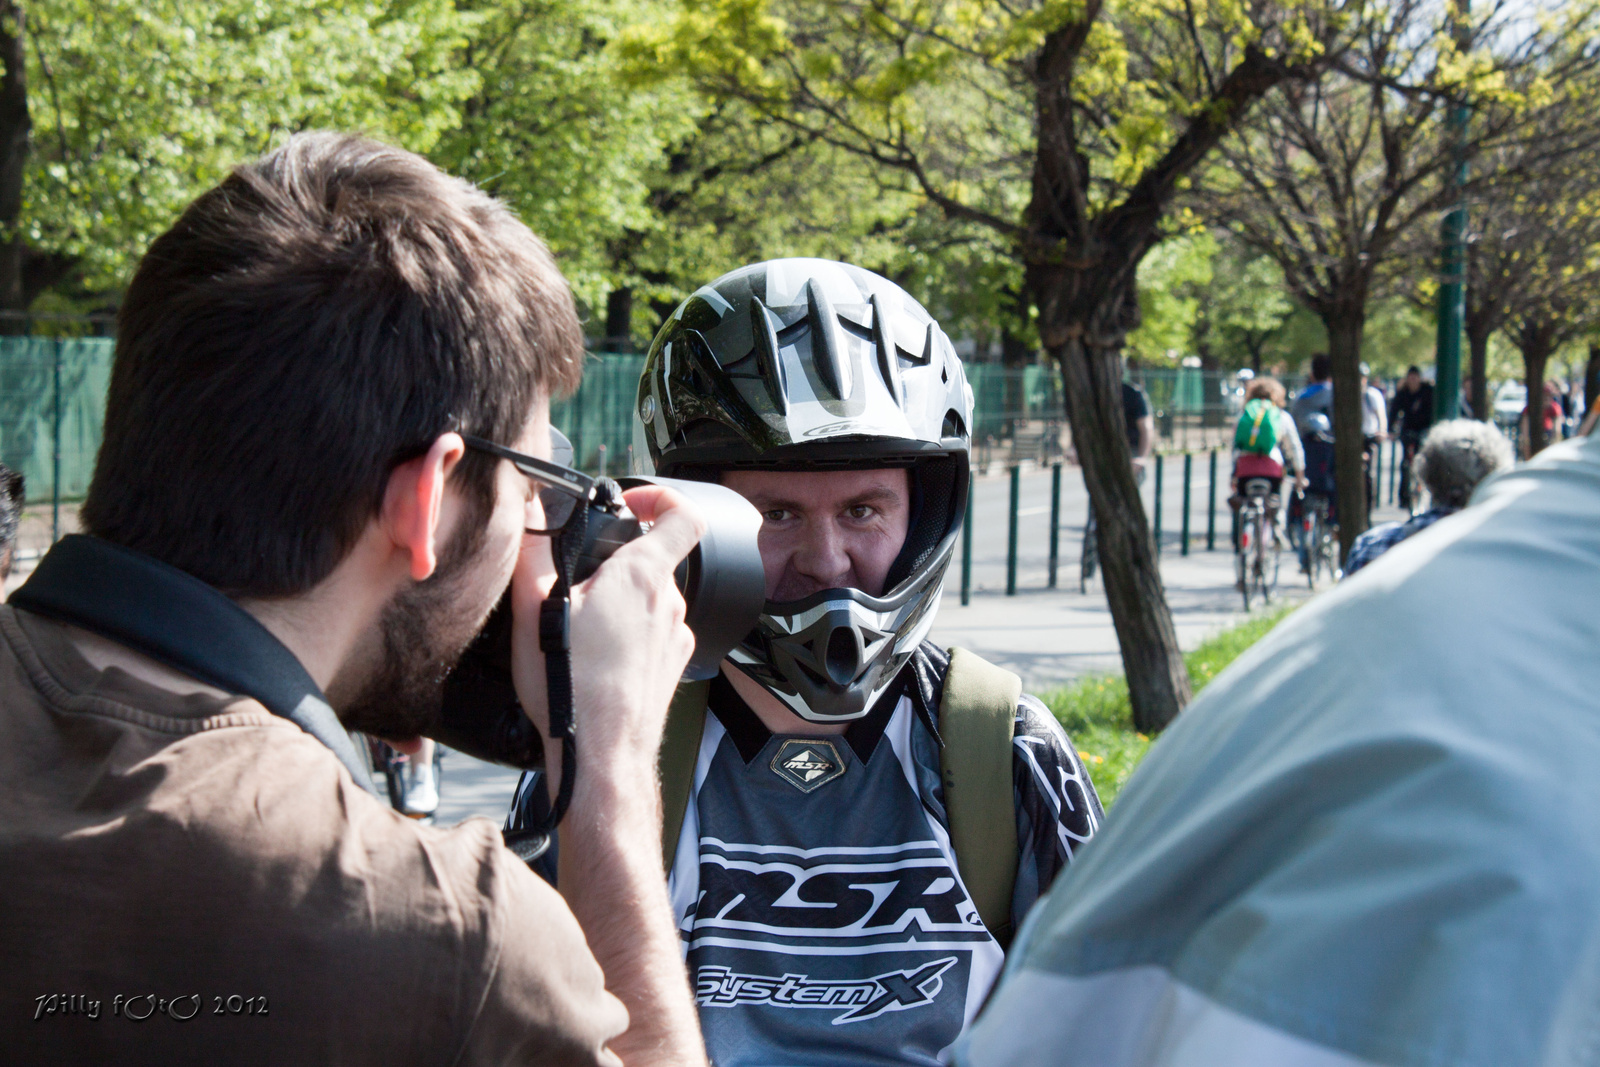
x,y
556,129
1172,279
1244,310
1531,247
736,189
115,113
1063,129
1336,179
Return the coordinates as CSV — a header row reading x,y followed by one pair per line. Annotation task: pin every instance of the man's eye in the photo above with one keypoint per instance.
x,y
775,515
861,512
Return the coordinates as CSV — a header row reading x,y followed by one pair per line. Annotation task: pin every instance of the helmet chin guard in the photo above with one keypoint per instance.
x,y
830,656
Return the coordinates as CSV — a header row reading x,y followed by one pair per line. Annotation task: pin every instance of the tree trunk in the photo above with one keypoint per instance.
x,y
1478,346
619,319
1345,325
1158,681
1591,379
1015,353
14,130
1536,347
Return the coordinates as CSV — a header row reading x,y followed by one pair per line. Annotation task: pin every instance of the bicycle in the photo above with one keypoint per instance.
x,y
395,766
1319,540
1407,494
1256,562
1089,558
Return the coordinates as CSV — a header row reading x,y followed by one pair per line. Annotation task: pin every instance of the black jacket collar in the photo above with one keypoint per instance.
x,y
175,618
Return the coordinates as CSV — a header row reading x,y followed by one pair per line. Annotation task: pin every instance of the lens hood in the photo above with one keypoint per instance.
x,y
723,583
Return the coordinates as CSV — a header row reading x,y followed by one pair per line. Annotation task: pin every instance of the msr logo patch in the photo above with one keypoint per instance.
x,y
807,763
867,998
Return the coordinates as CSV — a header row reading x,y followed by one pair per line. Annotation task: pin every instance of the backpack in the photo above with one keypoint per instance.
x,y
976,717
1258,428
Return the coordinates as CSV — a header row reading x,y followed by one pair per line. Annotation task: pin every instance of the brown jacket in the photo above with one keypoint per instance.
x,y
206,863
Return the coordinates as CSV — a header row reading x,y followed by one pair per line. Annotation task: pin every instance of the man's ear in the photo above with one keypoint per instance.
x,y
413,502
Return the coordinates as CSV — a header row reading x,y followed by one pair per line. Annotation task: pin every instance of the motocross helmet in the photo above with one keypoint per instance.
x,y
810,365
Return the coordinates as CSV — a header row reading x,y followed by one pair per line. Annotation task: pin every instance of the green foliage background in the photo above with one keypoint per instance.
x,y
655,144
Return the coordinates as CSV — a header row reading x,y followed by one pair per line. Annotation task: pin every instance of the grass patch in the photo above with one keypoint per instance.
x,y
1095,712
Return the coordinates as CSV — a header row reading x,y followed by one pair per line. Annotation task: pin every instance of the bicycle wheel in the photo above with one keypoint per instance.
x,y
1327,554
1271,551
1089,558
1242,558
1258,558
1308,547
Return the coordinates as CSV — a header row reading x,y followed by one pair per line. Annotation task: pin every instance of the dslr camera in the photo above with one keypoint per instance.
x,y
722,582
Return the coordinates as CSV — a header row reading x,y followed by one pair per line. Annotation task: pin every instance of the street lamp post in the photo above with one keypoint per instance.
x,y
1453,255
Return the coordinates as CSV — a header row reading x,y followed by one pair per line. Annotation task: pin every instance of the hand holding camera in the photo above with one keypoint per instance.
x,y
629,640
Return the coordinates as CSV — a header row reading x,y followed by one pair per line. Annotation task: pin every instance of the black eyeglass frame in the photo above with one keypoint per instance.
x,y
564,480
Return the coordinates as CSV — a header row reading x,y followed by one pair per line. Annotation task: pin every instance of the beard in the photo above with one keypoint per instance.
x,y
423,632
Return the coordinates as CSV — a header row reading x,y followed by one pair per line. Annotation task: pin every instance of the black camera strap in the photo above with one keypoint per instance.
x,y
555,641
176,619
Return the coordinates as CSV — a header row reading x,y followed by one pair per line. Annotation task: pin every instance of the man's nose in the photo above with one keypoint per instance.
x,y
822,556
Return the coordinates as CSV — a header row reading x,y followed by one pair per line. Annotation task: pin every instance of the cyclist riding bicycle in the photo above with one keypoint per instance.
x,y
1320,489
1266,445
1410,416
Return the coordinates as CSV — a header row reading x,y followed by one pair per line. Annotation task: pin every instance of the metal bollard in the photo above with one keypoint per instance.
x,y
1394,469
55,455
602,460
1157,508
1055,520
1011,534
966,544
1188,474
1211,506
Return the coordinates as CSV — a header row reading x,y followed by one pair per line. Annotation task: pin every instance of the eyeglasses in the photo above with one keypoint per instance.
x,y
561,489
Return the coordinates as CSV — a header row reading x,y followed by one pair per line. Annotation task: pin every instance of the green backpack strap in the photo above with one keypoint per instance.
x,y
976,721
680,750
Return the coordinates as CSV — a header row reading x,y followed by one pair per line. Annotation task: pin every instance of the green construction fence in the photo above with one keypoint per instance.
x,y
52,405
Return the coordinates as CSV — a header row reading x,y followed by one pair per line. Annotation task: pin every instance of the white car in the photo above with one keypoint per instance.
x,y
1509,400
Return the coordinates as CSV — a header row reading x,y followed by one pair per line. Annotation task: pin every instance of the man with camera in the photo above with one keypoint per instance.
x,y
302,502
856,819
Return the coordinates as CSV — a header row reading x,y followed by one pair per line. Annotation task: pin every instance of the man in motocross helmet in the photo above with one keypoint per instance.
x,y
825,914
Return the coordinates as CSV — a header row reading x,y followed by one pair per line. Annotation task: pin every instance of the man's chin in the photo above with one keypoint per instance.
x,y
396,709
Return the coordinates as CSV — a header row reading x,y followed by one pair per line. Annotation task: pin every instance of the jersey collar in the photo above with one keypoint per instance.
x,y
750,734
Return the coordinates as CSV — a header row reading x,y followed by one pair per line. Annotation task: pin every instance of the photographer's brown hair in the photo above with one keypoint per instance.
x,y
319,317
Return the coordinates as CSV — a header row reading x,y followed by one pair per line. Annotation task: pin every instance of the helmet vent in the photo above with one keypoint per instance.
x,y
766,349
888,361
928,344
827,346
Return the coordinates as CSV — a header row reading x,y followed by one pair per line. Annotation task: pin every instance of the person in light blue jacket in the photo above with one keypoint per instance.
x,y
1375,839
